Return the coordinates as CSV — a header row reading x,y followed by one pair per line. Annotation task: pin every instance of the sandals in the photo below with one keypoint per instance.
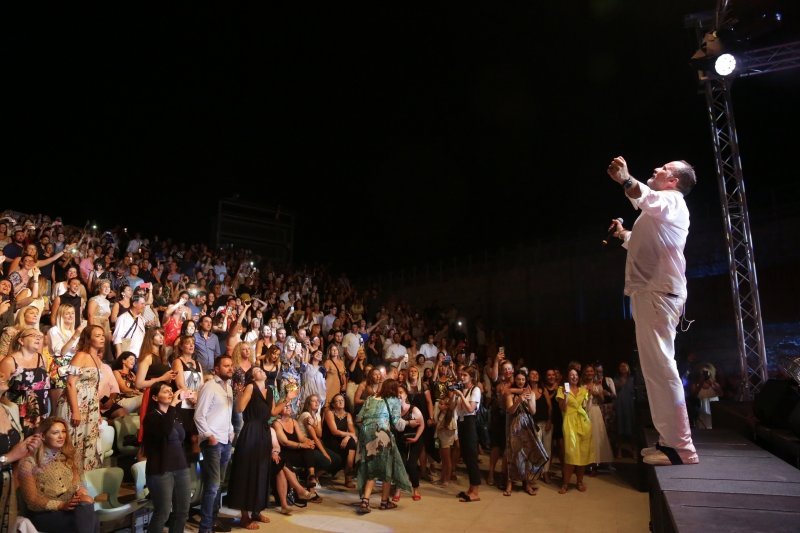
x,y
533,491
396,497
581,487
563,489
363,507
311,482
349,483
260,518
312,497
285,511
387,504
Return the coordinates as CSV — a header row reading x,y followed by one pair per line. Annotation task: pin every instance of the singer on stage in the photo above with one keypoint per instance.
x,y
655,280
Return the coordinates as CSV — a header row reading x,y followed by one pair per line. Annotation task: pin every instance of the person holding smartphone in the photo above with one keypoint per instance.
x,y
166,472
573,400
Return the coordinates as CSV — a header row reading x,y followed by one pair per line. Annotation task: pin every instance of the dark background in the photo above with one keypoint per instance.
x,y
397,135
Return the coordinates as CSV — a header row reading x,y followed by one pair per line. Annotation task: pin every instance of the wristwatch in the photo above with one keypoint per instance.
x,y
628,183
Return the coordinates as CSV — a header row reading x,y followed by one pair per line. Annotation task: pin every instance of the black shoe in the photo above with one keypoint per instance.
x,y
221,527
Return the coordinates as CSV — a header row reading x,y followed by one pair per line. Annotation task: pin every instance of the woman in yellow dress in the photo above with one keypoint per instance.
x,y
573,399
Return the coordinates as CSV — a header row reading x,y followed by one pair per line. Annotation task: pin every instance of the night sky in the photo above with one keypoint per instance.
x,y
404,133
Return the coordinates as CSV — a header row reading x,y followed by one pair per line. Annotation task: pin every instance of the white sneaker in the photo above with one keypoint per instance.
x,y
659,458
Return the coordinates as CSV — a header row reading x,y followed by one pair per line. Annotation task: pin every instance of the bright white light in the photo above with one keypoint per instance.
x,y
725,64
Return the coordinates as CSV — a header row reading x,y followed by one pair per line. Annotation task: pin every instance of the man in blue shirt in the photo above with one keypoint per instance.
x,y
206,344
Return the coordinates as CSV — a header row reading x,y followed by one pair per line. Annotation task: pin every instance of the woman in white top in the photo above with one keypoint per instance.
x,y
468,398
252,335
99,308
63,339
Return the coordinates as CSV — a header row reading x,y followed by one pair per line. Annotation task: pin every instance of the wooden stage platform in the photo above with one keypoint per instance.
x,y
736,487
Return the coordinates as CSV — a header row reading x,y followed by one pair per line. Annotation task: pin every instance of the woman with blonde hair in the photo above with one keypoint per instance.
x,y
706,389
242,356
27,317
63,341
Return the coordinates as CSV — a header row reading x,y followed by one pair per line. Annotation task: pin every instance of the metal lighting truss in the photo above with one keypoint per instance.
x,y
739,240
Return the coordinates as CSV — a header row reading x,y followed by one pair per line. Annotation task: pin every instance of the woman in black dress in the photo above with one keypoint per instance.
x,y
340,435
249,485
556,422
270,364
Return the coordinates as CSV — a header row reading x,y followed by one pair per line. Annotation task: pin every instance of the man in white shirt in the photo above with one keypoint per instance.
x,y
212,416
429,349
655,280
351,342
130,327
395,353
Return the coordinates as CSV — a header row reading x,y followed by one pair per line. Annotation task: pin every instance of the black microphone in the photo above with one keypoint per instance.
x,y
611,231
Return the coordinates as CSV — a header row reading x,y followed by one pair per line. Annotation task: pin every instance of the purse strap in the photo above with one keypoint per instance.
x,y
391,422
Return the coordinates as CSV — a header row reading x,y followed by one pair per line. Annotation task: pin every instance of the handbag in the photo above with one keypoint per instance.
x,y
125,343
482,426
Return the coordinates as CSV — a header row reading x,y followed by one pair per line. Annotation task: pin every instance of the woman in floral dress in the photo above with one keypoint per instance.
x,y
80,405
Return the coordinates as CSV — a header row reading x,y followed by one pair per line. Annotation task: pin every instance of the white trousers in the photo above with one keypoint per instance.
x,y
656,316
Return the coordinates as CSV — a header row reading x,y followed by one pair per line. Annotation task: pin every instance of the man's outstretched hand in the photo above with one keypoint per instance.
x,y
618,170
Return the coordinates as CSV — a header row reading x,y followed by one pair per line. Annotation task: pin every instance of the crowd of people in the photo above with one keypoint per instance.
x,y
291,377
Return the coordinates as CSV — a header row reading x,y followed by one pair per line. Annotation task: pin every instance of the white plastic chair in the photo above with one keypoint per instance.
x,y
125,426
107,434
138,473
108,481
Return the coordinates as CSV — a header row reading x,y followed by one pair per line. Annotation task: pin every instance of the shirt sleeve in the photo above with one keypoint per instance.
x,y
110,379
658,204
476,397
204,404
560,394
217,350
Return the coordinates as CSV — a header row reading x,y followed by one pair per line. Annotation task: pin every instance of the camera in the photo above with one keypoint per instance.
x,y
456,386
447,360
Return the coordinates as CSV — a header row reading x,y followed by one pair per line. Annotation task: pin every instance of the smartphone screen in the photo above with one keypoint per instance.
x,y
566,387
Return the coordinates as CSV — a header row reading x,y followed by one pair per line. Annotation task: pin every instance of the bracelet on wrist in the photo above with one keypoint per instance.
x,y
628,183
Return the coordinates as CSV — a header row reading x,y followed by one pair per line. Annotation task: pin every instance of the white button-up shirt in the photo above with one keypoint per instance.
x,y
655,261
212,415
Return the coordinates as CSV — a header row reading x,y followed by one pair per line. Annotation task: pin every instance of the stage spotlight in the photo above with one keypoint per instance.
x,y
725,65
737,27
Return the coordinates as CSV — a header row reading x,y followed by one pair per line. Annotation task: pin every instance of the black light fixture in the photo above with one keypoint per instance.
x,y
739,26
